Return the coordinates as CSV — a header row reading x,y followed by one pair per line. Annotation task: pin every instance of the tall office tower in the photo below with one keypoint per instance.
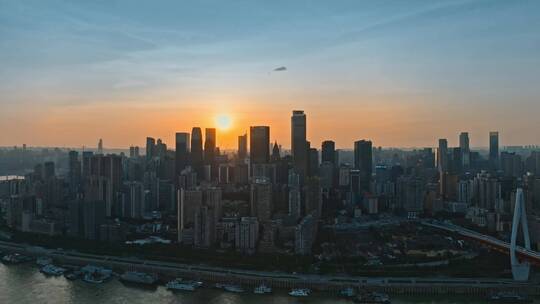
x,y
189,201
131,151
85,169
261,199
276,154
136,199
242,147
313,196
465,149
100,146
259,144
48,170
328,152
295,199
104,180
182,152
161,149
76,220
94,213
197,151
74,171
204,227
488,191
363,161
209,145
247,235
212,197
298,143
150,148
494,149
442,155
313,157
304,235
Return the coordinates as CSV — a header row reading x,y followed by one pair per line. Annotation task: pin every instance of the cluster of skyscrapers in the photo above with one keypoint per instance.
x,y
261,199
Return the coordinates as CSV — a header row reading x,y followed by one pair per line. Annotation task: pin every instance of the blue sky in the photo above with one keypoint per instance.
x,y
426,69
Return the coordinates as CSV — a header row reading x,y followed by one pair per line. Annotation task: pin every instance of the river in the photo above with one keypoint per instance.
x,y
24,284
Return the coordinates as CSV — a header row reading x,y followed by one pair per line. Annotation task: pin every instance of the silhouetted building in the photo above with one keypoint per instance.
x,y
150,148
259,144
261,199
242,147
197,151
442,155
363,161
298,143
465,149
209,145
328,152
181,153
494,149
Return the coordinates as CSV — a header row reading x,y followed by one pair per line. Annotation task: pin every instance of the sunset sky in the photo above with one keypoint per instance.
x,y
401,73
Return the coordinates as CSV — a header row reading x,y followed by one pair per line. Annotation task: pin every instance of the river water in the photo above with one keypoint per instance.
x,y
24,284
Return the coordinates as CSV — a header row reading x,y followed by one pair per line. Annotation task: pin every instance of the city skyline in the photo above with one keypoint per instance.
x,y
400,74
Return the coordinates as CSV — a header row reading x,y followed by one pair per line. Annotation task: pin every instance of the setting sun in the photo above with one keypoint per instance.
x,y
223,122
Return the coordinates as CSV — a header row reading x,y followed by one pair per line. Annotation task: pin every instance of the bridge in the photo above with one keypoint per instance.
x,y
494,243
520,257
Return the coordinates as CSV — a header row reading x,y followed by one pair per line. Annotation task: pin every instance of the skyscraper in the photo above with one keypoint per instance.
x,y
182,152
261,199
298,142
276,154
363,161
150,147
259,144
328,152
100,146
442,155
242,147
465,150
74,171
197,151
494,149
209,145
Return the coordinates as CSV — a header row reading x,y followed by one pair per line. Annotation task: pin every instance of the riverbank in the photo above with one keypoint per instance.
x,y
42,289
397,286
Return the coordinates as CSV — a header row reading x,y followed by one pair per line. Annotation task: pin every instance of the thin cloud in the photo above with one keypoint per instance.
x,y
280,69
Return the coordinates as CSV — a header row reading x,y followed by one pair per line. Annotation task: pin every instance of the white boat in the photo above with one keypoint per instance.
x,y
52,270
262,289
15,258
233,288
300,292
180,284
95,275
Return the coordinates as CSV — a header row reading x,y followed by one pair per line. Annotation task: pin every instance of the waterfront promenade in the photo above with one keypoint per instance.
x,y
211,274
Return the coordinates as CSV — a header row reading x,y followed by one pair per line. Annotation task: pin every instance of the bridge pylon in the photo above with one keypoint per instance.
x,y
520,270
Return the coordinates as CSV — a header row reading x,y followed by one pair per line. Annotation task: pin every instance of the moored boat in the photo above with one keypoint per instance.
x,y
95,275
182,285
372,298
300,292
141,278
262,289
52,270
233,288
15,258
503,297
